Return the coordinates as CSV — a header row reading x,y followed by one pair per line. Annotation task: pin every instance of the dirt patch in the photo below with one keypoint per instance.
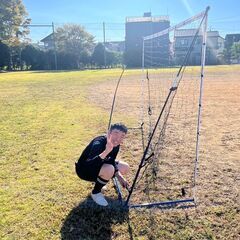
x,y
218,180
220,139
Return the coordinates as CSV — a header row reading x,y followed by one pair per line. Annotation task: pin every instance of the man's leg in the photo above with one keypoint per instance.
x,y
105,174
123,167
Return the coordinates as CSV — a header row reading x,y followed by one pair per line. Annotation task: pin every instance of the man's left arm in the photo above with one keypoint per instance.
x,y
121,179
118,174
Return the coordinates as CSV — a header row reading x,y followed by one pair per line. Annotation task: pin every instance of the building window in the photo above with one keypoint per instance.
x,y
183,42
199,41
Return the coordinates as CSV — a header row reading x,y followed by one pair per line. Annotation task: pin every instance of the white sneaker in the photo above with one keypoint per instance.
x,y
99,199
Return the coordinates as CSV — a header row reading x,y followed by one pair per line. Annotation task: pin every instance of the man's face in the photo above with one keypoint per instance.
x,y
117,137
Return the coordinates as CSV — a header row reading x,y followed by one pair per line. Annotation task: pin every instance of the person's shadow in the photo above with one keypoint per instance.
x,y
89,221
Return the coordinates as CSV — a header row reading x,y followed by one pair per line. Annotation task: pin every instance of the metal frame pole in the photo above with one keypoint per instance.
x,y
172,89
142,93
203,56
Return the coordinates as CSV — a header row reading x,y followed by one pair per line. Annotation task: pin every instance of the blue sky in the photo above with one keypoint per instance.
x,y
224,15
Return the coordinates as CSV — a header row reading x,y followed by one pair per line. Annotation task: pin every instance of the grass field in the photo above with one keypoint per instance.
x,y
46,120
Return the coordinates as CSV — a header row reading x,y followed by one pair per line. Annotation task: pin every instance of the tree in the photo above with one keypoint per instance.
x,y
221,57
112,58
98,55
13,26
132,58
235,51
72,39
66,61
227,55
4,56
33,57
13,17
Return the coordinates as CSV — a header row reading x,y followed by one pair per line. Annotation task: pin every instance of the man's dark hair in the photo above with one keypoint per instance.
x,y
119,126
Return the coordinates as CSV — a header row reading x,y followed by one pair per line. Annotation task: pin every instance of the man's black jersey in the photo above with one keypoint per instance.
x,y
91,153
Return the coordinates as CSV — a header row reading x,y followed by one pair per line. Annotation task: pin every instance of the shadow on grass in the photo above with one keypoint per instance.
x,y
89,221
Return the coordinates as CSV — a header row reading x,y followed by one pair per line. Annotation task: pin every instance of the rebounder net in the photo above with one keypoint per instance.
x,y
161,105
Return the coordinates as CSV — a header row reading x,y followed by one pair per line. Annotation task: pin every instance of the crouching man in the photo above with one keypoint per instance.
x,y
98,163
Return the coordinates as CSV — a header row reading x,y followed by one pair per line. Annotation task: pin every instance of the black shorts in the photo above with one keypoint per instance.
x,y
90,172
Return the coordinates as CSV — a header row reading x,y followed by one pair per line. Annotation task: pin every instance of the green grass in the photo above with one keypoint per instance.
x,y
45,122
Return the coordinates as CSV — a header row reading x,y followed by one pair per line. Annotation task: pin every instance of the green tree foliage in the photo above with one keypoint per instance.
x,y
72,39
227,55
13,16
132,58
4,56
33,58
235,51
112,58
65,61
98,55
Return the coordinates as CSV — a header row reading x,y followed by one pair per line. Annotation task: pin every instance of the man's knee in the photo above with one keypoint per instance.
x,y
123,167
107,171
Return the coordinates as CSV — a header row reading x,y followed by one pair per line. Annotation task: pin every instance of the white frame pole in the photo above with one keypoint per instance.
x,y
203,56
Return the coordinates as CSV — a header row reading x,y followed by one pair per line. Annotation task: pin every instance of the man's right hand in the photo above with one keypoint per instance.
x,y
109,145
108,148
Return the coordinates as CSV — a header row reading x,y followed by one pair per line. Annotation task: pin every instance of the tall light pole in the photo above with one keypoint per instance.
x,y
104,45
54,45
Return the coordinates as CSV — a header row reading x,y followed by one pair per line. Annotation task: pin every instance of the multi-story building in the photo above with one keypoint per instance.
x,y
230,39
138,27
182,42
215,47
48,42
